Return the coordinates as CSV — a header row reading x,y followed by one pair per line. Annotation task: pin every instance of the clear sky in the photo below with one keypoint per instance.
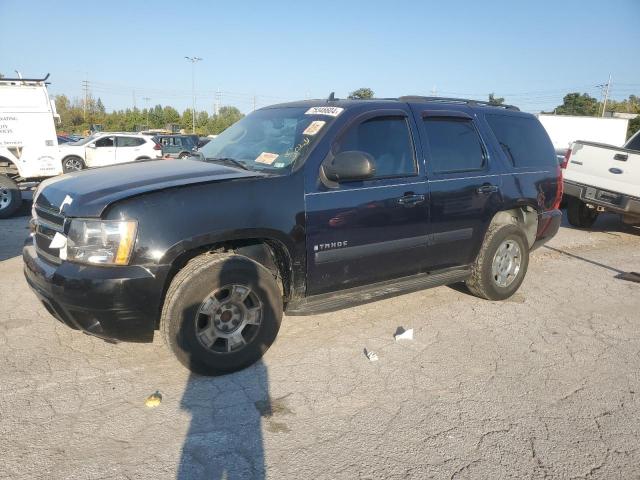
x,y
530,52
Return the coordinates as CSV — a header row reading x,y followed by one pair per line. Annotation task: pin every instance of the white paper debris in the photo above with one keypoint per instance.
x,y
404,335
372,356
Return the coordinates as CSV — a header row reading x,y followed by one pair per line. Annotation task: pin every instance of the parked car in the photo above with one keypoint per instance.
x,y
177,146
602,178
64,139
107,148
302,207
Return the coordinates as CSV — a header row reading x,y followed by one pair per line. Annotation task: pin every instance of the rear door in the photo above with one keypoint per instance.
x,y
128,149
367,231
463,182
101,152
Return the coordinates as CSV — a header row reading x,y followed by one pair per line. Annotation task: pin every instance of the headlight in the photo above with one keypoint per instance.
x,y
104,242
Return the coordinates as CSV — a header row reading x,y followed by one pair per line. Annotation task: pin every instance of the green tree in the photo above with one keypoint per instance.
x,y
634,126
226,117
493,100
361,93
100,107
578,104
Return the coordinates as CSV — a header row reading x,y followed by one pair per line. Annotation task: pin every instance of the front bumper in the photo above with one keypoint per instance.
x,y
624,204
548,226
113,303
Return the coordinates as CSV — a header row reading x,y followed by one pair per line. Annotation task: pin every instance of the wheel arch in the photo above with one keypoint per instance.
x,y
268,251
524,215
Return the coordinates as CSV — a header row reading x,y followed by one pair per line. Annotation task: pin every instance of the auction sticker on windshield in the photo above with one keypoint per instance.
x,y
314,127
331,111
267,158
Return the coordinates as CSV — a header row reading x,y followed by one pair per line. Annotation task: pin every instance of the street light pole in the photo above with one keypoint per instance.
x,y
193,61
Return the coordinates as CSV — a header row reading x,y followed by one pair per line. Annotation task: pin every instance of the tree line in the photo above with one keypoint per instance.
x,y
78,116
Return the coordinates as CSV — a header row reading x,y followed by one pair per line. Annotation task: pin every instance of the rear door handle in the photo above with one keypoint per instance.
x,y
410,199
487,188
623,157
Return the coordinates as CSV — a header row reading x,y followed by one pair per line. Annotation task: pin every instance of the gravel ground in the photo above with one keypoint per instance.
x,y
543,385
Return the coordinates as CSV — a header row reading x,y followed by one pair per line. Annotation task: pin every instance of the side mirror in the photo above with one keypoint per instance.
x,y
91,145
350,166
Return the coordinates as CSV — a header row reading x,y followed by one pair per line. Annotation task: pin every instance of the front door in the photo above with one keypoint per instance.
x,y
368,231
463,181
101,152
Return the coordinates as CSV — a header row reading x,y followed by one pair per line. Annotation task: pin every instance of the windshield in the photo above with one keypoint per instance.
x,y
84,141
271,139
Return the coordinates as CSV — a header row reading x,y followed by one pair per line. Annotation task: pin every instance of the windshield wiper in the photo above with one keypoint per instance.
x,y
232,161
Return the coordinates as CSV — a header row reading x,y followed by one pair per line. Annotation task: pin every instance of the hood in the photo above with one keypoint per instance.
x,y
88,193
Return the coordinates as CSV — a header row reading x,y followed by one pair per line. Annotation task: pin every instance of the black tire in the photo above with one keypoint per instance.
x,y
72,163
10,197
482,282
181,316
579,215
184,155
142,159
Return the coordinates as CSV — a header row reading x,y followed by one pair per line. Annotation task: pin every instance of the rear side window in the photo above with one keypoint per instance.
x,y
454,145
388,141
523,140
130,141
634,143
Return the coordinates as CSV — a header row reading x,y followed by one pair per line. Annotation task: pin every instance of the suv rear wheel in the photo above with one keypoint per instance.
x,y
579,215
221,313
10,197
501,264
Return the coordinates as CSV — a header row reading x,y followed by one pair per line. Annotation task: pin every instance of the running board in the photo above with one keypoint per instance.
x,y
332,301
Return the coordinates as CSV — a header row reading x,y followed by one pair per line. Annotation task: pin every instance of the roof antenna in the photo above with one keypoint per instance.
x,y
332,97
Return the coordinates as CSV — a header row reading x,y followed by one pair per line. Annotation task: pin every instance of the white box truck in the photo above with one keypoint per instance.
x,y
566,129
28,141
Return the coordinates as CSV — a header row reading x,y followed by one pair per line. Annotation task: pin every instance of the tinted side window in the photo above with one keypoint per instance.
x,y
454,145
130,142
634,144
387,140
105,142
523,140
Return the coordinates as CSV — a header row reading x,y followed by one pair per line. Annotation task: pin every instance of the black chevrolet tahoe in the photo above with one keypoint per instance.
x,y
299,208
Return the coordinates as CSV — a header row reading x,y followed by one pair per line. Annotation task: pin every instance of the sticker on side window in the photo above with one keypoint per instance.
x,y
330,111
267,158
314,127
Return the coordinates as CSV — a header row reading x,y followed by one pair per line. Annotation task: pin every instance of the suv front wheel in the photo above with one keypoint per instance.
x,y
501,264
221,313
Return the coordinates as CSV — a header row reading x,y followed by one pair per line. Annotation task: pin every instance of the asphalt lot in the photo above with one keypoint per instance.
x,y
543,385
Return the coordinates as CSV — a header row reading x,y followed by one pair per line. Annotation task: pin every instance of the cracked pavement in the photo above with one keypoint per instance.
x,y
545,384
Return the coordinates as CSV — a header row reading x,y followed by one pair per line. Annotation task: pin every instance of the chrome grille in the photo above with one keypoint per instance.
x,y
47,223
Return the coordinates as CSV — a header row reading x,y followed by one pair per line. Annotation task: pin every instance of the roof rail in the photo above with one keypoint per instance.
x,y
409,98
4,79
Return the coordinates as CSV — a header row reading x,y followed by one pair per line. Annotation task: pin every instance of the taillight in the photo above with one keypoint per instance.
x,y
157,147
559,188
565,161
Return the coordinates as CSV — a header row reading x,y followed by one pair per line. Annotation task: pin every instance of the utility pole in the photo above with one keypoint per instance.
x,y
218,102
85,87
146,99
254,103
606,88
134,99
193,61
434,91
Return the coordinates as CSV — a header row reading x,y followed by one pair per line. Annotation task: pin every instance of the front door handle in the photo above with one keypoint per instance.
x,y
621,156
408,200
487,188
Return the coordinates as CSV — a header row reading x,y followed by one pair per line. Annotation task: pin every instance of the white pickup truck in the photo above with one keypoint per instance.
x,y
601,178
